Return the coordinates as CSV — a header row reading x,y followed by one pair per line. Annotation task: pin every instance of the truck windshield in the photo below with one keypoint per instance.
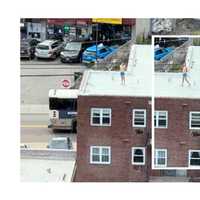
x,y
62,104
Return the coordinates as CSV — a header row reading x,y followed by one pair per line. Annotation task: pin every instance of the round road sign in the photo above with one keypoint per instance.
x,y
65,83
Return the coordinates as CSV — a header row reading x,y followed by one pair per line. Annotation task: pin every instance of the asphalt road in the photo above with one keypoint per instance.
x,y
34,129
37,77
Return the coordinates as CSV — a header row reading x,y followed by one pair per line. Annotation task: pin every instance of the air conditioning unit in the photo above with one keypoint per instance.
x,y
139,131
195,133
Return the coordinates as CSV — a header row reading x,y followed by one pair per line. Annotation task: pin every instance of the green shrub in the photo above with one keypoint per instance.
x,y
175,68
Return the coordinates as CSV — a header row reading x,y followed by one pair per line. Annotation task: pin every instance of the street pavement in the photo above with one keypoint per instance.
x,y
36,134
38,78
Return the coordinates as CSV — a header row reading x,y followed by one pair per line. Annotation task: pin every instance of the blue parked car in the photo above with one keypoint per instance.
x,y
160,53
89,55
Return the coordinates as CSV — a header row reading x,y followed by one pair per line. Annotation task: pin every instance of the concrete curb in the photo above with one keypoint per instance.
x,y
49,154
34,109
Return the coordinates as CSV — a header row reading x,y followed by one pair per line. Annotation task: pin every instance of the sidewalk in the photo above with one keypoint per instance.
x,y
41,146
34,109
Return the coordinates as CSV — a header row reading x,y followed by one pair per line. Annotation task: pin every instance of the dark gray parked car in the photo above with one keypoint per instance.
x,y
27,48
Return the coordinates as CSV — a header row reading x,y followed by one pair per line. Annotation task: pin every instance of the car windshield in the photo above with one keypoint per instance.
x,y
43,47
159,51
90,53
73,46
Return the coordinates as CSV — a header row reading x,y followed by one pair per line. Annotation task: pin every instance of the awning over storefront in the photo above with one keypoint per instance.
x,y
107,20
69,21
87,21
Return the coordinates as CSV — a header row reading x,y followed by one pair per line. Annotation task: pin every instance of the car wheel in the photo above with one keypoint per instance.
x,y
62,60
32,56
74,127
54,56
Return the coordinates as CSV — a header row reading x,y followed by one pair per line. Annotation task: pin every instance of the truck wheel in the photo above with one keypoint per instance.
x,y
74,127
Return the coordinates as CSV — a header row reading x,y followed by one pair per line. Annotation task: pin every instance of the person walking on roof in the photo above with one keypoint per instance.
x,y
185,70
122,73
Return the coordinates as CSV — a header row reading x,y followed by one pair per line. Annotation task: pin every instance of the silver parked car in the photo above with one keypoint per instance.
x,y
48,49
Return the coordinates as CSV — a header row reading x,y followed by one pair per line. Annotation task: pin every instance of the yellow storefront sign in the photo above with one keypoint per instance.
x,y
107,20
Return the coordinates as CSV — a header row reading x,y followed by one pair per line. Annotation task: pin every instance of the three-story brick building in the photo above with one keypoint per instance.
x,y
114,124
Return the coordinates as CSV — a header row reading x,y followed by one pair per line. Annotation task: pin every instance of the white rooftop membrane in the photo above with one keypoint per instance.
x,y
169,84
138,77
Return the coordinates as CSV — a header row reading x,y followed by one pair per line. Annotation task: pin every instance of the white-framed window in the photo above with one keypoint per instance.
x,y
160,119
100,154
139,118
194,120
138,155
160,159
100,117
194,158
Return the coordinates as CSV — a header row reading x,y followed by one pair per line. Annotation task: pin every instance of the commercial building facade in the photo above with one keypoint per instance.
x,y
77,28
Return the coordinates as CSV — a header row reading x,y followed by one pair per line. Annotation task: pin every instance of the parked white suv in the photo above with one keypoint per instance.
x,y
48,49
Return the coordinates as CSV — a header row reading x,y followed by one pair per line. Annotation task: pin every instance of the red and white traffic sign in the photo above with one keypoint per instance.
x,y
66,83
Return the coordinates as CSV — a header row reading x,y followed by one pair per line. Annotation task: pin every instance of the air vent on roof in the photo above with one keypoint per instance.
x,y
169,80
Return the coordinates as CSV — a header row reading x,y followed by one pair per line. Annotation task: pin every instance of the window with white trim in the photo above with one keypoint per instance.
x,y
100,155
160,119
139,118
160,159
138,155
194,120
100,117
194,158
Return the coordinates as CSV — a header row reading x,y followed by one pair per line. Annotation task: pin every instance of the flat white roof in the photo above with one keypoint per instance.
x,y
63,93
169,84
39,170
138,77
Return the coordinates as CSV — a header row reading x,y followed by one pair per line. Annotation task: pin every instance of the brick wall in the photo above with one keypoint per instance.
x,y
177,138
121,136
